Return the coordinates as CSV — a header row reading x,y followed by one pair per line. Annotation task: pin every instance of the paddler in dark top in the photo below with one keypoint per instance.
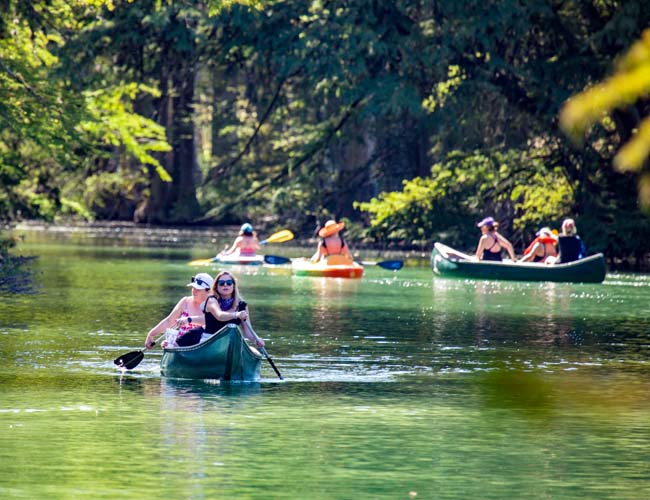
x,y
331,243
491,242
223,307
570,245
543,248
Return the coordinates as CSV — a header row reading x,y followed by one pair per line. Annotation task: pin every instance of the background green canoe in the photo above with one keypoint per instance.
x,y
224,356
448,262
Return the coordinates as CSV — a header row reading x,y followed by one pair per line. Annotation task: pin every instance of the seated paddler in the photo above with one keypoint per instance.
x,y
543,248
491,242
571,247
331,242
246,243
223,306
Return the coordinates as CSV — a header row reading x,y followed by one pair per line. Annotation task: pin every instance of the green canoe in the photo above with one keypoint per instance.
x,y
445,261
224,356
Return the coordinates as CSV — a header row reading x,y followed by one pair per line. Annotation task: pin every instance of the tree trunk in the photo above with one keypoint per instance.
x,y
175,202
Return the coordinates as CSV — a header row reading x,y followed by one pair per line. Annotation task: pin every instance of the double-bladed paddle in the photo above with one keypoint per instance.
x,y
279,237
392,265
241,307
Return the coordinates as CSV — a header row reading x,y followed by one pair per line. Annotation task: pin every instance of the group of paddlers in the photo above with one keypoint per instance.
x,y
548,247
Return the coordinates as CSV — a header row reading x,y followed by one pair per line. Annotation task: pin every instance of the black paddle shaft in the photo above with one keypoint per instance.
x,y
242,305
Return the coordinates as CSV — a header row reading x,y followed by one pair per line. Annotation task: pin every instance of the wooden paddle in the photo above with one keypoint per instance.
x,y
241,307
279,237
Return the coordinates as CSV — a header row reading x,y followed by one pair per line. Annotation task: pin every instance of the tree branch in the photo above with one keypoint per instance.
x,y
218,212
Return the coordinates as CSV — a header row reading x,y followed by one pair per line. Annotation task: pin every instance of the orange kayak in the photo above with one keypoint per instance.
x,y
334,266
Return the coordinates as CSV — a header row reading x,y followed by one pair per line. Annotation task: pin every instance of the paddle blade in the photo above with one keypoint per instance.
x,y
393,265
279,237
276,260
129,360
202,262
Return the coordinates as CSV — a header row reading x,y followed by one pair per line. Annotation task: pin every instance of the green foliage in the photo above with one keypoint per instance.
x,y
51,129
299,109
465,188
629,84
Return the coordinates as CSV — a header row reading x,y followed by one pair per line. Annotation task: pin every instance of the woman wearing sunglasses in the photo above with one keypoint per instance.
x,y
187,314
221,308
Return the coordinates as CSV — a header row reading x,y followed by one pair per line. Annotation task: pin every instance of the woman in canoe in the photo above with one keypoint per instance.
x,y
571,247
491,242
331,242
246,243
223,307
543,248
187,313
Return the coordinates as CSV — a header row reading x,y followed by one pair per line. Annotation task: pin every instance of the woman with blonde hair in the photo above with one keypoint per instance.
x,y
222,307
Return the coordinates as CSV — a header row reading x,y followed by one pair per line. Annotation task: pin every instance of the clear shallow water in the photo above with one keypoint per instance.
x,y
400,385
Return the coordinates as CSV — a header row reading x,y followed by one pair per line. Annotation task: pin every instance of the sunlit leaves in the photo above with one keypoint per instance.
x,y
114,123
630,82
442,90
465,188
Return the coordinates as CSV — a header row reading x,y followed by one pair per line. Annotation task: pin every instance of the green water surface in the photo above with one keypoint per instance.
x,y
398,385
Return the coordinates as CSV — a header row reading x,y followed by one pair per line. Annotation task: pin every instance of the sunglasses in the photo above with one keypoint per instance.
x,y
200,282
225,282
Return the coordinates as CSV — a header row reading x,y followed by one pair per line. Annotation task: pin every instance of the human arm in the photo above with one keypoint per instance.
x,y
235,245
164,324
248,327
480,248
583,250
319,253
213,307
530,255
507,245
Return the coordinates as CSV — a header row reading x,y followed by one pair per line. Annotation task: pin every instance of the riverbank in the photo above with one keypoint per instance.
x,y
208,237
212,239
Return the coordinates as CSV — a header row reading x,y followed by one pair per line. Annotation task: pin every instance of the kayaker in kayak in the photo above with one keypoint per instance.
x,y
491,242
543,248
186,314
221,308
331,242
246,243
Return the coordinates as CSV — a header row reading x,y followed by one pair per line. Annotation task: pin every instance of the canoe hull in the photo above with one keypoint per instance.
x,y
447,262
225,356
304,267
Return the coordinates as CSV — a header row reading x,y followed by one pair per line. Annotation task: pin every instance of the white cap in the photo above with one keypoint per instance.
x,y
202,281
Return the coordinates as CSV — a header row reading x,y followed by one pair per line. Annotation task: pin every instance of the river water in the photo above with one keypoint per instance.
x,y
398,385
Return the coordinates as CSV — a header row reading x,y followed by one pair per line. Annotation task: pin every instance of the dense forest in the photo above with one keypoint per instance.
x,y
411,120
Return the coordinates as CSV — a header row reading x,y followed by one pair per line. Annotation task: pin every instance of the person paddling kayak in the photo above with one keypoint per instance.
x,y
543,248
246,243
331,242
